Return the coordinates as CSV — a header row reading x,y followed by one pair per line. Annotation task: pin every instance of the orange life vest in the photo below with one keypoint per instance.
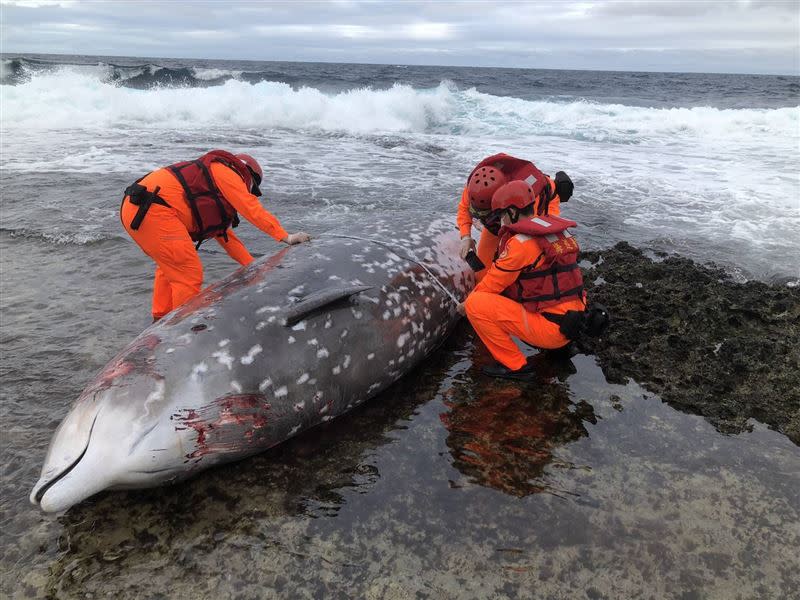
x,y
554,276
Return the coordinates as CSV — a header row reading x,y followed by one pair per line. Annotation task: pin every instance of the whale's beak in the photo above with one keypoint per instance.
x,y
67,449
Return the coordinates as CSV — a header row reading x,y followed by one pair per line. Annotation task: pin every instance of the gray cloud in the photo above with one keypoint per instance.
x,y
736,36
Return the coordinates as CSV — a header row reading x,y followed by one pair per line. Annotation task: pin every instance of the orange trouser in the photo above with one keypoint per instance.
x,y
487,247
164,238
496,318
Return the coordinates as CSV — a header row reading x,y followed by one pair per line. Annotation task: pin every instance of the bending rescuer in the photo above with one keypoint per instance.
x,y
533,290
488,176
170,211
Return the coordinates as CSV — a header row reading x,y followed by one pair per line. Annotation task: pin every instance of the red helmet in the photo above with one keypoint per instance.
x,y
255,169
482,184
515,193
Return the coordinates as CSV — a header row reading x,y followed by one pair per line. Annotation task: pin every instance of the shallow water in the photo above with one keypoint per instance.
x,y
449,485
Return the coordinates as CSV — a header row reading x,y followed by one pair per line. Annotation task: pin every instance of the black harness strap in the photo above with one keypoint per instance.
x,y
189,196
140,196
554,270
576,291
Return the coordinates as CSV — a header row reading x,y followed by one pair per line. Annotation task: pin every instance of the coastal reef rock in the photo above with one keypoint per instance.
x,y
706,344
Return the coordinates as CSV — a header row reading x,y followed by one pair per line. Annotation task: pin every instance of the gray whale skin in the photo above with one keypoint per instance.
x,y
284,344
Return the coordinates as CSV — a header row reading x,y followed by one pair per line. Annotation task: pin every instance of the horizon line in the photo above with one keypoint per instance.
x,y
253,60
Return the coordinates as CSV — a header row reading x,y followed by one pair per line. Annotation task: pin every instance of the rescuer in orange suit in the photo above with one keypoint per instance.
x,y
168,211
485,179
533,290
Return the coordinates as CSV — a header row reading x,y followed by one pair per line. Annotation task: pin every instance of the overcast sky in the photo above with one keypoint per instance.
x,y
739,36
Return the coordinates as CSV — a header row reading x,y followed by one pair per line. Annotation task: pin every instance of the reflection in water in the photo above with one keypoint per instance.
x,y
505,435
653,503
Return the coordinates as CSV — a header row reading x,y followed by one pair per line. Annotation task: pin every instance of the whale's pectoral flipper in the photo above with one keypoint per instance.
x,y
317,300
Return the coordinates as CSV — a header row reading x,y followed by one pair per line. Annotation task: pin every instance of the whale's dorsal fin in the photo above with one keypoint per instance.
x,y
319,299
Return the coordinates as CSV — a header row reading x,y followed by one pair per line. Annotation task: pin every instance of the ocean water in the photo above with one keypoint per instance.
x,y
706,166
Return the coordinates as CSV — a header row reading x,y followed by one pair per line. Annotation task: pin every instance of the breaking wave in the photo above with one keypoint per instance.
x,y
69,99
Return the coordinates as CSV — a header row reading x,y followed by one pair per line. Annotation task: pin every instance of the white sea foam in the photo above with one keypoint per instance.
x,y
78,98
709,182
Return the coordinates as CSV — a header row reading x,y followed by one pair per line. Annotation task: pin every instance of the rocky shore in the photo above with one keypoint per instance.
x,y
706,344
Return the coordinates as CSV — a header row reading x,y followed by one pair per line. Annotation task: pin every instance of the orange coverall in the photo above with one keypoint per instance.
x,y
164,233
496,318
487,244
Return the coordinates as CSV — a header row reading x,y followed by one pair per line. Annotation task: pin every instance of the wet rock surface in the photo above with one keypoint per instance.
x,y
706,344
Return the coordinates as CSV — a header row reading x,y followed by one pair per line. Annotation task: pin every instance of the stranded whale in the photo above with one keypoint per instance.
x,y
288,342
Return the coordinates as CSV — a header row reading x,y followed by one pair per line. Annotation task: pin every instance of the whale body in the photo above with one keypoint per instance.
x,y
284,344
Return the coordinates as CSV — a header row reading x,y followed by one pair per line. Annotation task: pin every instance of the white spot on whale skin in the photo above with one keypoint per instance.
x,y
336,370
271,309
198,369
334,277
303,378
236,387
298,290
387,315
223,358
291,340
224,343
281,392
346,362
157,394
373,387
248,358
170,350
327,418
301,326
264,384
357,314
344,333
397,311
299,406
401,341
294,430
323,353
261,325
324,409
370,356
312,342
